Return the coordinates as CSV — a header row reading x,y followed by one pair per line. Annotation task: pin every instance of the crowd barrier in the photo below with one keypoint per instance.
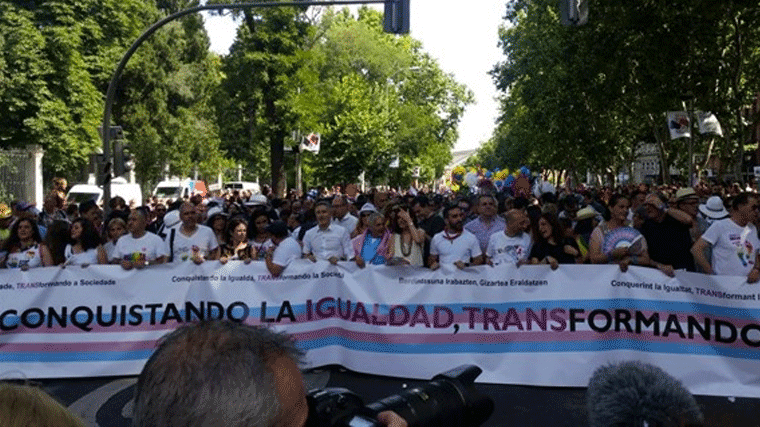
x,y
527,325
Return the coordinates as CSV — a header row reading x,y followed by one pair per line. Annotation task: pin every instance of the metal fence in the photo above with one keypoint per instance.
x,y
21,174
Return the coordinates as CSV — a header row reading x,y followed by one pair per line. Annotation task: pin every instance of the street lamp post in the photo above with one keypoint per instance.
x,y
111,92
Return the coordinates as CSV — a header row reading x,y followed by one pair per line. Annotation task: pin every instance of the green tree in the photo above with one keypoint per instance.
x,y
585,97
374,96
255,120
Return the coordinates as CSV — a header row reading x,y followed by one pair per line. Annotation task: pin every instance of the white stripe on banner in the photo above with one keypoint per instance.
x,y
529,325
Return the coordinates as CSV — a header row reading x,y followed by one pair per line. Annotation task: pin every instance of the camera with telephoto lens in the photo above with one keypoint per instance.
x,y
449,399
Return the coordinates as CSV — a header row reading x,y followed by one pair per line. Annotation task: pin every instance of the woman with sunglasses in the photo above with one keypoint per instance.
x,y
362,225
406,238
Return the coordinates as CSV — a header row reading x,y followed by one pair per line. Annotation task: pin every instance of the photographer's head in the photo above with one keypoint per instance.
x,y
222,373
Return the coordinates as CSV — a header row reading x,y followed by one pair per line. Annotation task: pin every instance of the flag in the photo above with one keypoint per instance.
x,y
708,123
311,143
679,125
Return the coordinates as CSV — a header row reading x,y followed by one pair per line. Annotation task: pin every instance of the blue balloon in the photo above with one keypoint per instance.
x,y
525,171
509,181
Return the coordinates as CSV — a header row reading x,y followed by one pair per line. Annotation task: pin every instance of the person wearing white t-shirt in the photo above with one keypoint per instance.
x,y
286,250
454,245
139,248
513,245
734,242
191,241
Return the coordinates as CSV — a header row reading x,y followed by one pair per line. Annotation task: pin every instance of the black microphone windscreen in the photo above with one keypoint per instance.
x,y
637,394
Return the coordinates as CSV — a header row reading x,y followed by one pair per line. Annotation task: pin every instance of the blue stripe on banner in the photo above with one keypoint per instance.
x,y
531,347
441,348
87,356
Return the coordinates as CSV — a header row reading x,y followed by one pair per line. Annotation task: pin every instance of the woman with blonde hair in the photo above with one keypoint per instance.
x,y
24,406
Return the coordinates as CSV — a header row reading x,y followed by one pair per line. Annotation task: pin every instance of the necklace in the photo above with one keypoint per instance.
x,y
406,248
450,237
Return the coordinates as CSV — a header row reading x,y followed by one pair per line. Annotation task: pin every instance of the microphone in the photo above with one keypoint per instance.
x,y
636,394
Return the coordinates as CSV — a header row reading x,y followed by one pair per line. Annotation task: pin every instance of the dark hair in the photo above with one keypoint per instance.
x,y
89,237
232,224
13,241
214,372
448,208
421,200
56,238
614,199
558,234
253,231
86,206
741,199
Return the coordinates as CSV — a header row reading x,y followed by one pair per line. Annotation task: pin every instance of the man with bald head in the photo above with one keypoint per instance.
x,y
191,241
513,245
138,248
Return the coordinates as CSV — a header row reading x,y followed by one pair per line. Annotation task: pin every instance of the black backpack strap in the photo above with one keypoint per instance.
x,y
171,244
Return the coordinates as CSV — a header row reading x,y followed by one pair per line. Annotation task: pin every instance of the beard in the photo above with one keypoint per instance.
x,y
456,226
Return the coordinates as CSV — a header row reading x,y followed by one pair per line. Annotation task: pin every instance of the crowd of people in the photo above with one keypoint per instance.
x,y
708,229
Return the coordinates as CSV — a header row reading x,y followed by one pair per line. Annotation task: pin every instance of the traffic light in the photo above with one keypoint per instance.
x,y
396,17
573,12
123,161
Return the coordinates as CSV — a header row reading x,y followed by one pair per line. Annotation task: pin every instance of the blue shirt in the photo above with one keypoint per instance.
x,y
369,250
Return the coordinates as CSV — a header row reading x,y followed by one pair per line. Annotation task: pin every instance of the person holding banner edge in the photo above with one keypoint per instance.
x,y
734,242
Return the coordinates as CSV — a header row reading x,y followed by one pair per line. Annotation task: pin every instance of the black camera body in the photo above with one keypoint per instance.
x,y
449,399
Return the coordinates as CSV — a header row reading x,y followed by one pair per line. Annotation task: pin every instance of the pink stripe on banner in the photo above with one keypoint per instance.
x,y
77,347
503,337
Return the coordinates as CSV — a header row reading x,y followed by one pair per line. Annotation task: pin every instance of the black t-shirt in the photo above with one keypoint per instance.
x,y
542,249
669,242
432,226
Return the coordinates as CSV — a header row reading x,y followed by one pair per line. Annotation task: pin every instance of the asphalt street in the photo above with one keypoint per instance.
x,y
107,402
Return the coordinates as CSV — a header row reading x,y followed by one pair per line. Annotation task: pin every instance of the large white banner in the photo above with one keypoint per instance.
x,y
529,325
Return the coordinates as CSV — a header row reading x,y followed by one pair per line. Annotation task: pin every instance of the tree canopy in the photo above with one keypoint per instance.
x,y
372,96
583,98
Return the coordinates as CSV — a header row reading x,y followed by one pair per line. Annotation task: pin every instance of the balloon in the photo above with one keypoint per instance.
x,y
525,171
509,181
454,187
499,184
471,179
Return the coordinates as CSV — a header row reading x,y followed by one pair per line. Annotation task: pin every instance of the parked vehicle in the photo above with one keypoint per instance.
x,y
253,187
131,193
179,188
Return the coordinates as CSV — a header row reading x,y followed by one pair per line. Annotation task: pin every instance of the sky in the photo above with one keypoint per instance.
x,y
462,36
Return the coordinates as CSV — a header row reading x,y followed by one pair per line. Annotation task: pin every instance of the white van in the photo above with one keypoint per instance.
x,y
253,187
131,193
179,188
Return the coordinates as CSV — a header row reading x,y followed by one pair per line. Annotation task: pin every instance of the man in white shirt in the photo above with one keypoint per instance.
x,y
286,249
326,241
190,240
340,214
139,248
513,245
734,242
454,245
